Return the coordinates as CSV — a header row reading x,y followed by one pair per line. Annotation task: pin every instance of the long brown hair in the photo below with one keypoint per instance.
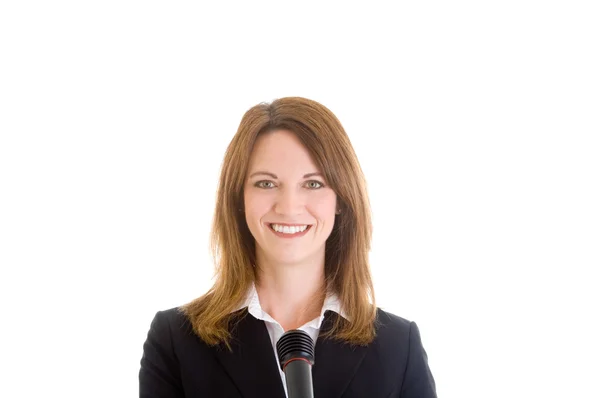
x,y
347,271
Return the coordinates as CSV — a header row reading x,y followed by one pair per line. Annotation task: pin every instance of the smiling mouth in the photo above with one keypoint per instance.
x,y
289,230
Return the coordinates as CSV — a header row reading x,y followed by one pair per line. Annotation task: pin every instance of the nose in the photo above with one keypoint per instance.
x,y
289,202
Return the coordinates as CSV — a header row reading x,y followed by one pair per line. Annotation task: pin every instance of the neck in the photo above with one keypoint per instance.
x,y
292,294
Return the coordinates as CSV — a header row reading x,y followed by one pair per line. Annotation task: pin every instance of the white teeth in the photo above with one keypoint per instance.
x,y
286,229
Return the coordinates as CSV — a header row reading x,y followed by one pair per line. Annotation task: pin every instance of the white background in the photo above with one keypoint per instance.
x,y
476,123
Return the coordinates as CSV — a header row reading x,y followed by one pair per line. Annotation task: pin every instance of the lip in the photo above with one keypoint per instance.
x,y
289,236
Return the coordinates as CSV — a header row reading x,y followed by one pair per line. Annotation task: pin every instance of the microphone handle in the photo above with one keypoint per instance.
x,y
298,379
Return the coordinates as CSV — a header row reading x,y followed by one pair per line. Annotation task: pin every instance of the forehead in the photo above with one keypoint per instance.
x,y
281,150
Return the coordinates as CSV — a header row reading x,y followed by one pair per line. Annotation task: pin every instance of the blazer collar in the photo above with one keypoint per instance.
x,y
254,370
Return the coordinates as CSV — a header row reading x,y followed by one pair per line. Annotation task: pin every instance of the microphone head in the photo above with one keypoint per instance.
x,y
295,345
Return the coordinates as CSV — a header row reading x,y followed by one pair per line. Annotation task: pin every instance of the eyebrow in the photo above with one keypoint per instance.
x,y
275,177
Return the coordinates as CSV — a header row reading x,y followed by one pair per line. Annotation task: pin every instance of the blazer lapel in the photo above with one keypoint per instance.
x,y
335,363
252,365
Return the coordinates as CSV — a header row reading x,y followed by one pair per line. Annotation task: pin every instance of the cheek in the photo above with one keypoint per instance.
x,y
323,207
255,207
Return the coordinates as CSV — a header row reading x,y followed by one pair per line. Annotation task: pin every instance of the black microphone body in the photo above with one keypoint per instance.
x,y
296,353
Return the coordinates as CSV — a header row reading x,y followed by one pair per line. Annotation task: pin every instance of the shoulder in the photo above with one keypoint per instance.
x,y
174,316
173,334
388,323
170,328
387,319
172,321
399,345
160,370
395,333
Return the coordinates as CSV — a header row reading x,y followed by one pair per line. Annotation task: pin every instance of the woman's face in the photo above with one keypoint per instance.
x,y
289,209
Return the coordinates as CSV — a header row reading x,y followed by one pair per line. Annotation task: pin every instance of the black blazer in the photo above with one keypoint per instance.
x,y
177,364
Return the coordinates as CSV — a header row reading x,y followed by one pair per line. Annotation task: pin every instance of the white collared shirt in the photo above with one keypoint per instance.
x,y
275,330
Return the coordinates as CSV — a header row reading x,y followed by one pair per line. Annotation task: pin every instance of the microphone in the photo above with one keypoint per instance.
x,y
296,352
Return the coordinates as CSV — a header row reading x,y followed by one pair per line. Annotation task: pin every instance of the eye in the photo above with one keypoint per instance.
x,y
313,184
265,184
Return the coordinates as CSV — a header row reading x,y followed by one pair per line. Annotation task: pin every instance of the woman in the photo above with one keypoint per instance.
x,y
291,237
